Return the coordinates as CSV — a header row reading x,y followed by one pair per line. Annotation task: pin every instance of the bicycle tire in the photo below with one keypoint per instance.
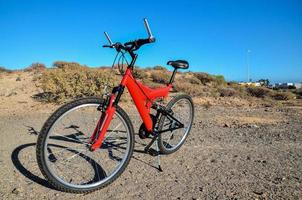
x,y
40,150
162,147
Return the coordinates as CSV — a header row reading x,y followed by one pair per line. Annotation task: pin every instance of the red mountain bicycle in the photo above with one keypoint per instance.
x,y
86,144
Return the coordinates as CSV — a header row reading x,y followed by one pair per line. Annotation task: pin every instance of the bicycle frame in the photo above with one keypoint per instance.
x,y
143,98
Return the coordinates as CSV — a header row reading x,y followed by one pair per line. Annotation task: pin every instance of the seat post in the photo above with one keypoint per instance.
x,y
173,75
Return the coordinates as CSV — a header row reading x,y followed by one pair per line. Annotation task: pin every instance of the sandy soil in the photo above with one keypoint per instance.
x,y
232,153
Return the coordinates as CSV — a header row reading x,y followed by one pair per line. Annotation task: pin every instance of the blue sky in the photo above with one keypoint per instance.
x,y
212,35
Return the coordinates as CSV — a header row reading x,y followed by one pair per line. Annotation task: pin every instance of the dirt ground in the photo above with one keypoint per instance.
x,y
232,152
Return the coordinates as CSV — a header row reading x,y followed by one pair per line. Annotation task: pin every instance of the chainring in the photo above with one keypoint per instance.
x,y
143,133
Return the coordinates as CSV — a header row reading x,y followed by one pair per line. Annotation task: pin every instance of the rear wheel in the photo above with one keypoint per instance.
x,y
63,153
182,109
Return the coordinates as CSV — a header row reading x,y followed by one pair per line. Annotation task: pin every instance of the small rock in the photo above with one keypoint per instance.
x,y
57,194
16,191
226,125
252,126
12,94
212,160
255,126
18,78
261,161
277,180
258,192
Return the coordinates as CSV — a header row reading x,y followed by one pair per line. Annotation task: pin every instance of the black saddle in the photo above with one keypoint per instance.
x,y
179,64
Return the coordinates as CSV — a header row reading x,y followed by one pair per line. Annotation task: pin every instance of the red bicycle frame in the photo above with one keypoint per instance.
x,y
143,97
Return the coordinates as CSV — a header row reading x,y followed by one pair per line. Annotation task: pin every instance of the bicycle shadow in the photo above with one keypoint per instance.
x,y
17,161
25,172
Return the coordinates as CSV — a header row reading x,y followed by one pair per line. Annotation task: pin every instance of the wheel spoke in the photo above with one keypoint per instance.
x,y
65,149
76,166
73,156
70,138
182,110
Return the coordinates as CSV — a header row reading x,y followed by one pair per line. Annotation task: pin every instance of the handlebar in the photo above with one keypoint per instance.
x,y
148,28
108,38
132,45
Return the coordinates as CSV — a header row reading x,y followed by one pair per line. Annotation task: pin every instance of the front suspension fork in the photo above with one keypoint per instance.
x,y
108,109
100,130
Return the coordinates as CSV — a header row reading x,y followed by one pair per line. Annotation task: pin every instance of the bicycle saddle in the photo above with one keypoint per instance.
x,y
179,64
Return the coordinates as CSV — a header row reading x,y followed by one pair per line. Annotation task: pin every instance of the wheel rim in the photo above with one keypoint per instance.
x,y
182,110
75,166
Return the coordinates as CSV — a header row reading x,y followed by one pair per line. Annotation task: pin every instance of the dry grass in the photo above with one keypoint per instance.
x,y
74,81
35,67
68,80
4,70
160,76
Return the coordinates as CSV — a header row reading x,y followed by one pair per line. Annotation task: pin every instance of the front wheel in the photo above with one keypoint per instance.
x,y
182,108
63,153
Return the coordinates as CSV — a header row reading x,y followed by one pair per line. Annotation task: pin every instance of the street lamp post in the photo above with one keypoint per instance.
x,y
248,64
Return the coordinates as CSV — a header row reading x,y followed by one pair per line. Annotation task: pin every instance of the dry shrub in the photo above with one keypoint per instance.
x,y
67,65
283,95
186,87
4,70
240,89
207,79
203,77
227,92
259,92
140,73
74,81
158,67
159,76
35,67
192,80
219,79
298,92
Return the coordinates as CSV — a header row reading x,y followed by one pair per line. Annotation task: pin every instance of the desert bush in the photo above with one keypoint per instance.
x,y
4,70
219,79
203,77
191,79
227,92
259,92
140,73
151,84
189,88
283,95
62,84
158,67
240,89
298,92
67,65
160,76
207,78
35,67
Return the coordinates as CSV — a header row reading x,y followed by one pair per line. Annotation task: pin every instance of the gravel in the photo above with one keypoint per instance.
x,y
221,159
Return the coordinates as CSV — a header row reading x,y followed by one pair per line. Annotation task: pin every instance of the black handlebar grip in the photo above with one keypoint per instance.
x,y
141,42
